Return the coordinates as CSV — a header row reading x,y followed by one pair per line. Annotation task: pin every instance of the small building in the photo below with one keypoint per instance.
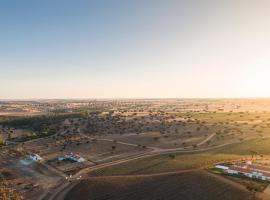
x,y
71,156
250,170
61,158
35,157
222,167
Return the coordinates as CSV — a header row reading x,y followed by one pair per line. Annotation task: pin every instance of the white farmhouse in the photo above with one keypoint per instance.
x,y
35,157
222,167
73,157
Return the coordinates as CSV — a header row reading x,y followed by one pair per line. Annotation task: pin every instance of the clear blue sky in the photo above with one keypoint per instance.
x,y
139,48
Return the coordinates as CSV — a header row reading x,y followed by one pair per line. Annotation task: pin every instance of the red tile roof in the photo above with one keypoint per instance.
x,y
254,167
240,169
243,168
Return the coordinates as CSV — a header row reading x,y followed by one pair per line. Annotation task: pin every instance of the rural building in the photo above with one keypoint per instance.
x,y
221,167
35,157
71,156
250,170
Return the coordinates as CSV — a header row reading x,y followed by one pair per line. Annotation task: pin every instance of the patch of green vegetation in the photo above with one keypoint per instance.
x,y
37,123
3,119
29,136
2,141
38,126
215,170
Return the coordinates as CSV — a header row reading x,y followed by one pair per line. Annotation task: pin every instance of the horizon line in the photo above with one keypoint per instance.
x,y
127,98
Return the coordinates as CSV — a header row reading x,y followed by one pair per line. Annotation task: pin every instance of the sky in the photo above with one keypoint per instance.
x,y
134,49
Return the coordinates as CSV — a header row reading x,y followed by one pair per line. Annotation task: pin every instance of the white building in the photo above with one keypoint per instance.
x,y
35,157
73,157
251,171
222,167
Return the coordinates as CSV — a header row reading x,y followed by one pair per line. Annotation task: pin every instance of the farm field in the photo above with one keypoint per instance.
x,y
250,149
163,163
195,185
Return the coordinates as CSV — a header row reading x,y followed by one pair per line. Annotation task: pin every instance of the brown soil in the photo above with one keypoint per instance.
x,y
196,185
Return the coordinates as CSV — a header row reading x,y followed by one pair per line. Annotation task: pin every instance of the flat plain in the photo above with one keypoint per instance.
x,y
130,138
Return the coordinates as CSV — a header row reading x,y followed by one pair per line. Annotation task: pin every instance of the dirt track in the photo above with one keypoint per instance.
x,y
66,186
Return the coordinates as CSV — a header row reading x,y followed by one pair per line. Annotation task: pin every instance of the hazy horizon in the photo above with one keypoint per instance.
x,y
134,49
125,98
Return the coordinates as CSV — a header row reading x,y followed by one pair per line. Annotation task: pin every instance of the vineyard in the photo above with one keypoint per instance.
x,y
195,185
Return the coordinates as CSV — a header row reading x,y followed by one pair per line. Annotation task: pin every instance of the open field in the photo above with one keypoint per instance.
x,y
163,163
250,149
126,137
197,185
150,124
256,147
92,150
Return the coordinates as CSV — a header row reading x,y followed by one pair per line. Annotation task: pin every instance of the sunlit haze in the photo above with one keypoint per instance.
x,y
134,49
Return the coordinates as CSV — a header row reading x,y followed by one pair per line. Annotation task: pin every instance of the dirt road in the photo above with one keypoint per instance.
x,y
66,186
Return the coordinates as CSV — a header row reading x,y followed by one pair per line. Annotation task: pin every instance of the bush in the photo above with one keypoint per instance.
x,y
2,142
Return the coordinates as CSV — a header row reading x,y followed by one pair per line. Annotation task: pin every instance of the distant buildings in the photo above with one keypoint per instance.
x,y
247,169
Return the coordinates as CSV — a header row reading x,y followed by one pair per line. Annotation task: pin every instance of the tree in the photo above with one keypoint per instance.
x,y
2,141
172,156
9,135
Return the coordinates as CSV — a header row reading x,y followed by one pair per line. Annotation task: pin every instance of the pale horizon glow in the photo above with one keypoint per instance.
x,y
134,49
